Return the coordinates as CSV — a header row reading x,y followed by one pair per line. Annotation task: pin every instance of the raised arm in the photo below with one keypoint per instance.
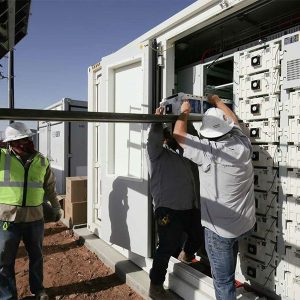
x,y
155,139
180,129
217,102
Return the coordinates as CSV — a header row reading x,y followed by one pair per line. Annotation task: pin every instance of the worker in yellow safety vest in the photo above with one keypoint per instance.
x,y
25,180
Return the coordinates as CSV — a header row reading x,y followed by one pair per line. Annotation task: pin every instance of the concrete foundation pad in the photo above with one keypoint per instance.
x,y
127,271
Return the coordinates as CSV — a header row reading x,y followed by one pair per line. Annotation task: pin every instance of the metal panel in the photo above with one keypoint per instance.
x,y
43,140
123,186
78,145
57,154
128,92
291,62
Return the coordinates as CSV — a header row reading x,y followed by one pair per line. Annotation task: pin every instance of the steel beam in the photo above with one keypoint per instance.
x,y
11,23
83,116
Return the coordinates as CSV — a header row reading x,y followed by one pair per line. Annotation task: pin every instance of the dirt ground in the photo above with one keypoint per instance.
x,y
71,271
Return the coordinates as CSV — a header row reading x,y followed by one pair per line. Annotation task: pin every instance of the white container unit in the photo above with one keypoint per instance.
x,y
65,143
196,51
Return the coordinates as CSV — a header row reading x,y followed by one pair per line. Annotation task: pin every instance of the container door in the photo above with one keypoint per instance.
x,y
124,199
43,139
78,145
56,155
51,145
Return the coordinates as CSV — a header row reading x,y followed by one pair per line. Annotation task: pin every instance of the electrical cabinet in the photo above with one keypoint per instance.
x,y
266,179
263,82
259,60
257,272
267,83
267,101
265,155
291,62
259,249
263,131
266,227
258,108
266,204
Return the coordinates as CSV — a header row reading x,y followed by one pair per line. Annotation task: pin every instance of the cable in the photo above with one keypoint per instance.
x,y
273,181
269,276
269,230
210,65
272,254
157,50
270,204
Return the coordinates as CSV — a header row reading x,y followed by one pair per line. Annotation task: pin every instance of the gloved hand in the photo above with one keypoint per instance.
x,y
56,214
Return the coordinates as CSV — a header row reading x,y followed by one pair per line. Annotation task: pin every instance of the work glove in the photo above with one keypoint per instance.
x,y
56,214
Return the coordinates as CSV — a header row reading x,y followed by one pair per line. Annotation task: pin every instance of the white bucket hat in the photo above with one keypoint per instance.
x,y
215,123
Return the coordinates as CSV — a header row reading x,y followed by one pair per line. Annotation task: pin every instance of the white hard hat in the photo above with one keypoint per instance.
x,y
215,123
17,131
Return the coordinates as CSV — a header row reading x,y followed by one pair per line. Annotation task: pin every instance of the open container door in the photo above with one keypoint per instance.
x,y
120,182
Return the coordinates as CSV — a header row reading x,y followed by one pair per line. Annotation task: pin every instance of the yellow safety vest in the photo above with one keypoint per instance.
x,y
22,186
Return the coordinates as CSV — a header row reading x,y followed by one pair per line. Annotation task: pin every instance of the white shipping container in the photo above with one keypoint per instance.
x,y
199,50
65,143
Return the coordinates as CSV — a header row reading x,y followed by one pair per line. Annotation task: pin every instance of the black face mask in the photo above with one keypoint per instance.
x,y
27,147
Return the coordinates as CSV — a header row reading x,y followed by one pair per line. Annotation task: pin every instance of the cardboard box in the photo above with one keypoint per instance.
x,y
76,213
76,189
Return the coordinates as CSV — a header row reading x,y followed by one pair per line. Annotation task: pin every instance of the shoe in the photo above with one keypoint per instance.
x,y
41,295
157,292
185,257
205,261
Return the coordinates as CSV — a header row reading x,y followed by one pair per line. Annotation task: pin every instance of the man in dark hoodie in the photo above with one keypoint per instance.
x,y
176,203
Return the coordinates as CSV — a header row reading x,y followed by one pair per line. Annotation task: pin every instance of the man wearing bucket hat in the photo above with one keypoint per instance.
x,y
175,191
25,178
223,154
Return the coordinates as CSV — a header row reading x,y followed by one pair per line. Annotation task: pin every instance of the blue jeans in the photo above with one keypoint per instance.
x,y
171,225
222,253
32,234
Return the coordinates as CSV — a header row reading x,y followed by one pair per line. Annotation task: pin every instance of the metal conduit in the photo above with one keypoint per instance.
x,y
83,116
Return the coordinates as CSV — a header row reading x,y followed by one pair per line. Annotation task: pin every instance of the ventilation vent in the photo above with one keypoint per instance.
x,y
293,69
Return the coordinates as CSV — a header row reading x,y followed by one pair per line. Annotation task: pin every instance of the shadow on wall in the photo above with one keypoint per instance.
x,y
118,208
118,213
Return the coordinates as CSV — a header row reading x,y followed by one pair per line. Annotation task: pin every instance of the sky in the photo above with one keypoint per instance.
x,y
65,37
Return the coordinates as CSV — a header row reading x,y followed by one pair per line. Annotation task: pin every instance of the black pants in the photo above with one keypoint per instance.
x,y
171,227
